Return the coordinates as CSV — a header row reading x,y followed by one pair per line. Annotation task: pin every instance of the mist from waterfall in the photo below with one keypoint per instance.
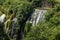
x,y
37,16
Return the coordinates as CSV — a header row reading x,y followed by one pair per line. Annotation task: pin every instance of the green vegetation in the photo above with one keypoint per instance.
x,y
47,29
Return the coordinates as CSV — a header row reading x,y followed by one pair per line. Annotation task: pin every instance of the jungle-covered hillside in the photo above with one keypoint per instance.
x,y
29,19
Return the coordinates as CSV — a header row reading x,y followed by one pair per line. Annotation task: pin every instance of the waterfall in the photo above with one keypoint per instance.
x,y
37,16
2,18
11,30
14,29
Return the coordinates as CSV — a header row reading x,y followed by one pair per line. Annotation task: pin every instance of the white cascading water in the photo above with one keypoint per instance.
x,y
37,16
2,18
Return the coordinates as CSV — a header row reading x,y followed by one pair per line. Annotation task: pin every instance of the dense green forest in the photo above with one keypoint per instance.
x,y
15,18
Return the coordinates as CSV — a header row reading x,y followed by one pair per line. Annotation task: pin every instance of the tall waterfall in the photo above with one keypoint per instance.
x,y
37,16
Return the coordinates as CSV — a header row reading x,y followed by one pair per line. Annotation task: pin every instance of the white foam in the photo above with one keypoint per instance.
x,y
37,16
2,17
